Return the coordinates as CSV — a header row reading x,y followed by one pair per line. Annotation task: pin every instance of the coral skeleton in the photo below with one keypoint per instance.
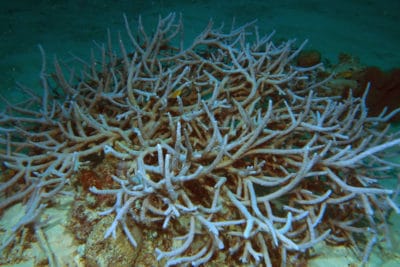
x,y
225,143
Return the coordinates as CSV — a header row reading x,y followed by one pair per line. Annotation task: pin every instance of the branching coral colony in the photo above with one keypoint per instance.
x,y
226,140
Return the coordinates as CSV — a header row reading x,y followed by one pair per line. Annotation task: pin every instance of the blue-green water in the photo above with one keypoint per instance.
x,y
366,29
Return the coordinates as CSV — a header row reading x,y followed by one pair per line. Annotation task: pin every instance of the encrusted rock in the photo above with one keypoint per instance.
x,y
111,251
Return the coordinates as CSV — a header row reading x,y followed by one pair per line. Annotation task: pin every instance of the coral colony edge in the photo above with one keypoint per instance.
x,y
225,146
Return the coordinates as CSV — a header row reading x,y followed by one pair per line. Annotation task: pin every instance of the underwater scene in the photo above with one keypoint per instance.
x,y
200,133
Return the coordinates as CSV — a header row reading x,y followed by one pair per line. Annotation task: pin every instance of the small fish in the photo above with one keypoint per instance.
x,y
180,92
176,93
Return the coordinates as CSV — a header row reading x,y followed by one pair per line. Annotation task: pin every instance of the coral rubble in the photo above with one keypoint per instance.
x,y
225,145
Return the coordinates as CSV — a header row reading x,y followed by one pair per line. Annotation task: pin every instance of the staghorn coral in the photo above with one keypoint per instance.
x,y
225,144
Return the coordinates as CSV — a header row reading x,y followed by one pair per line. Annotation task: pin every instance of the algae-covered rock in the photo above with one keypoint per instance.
x,y
111,251
308,58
